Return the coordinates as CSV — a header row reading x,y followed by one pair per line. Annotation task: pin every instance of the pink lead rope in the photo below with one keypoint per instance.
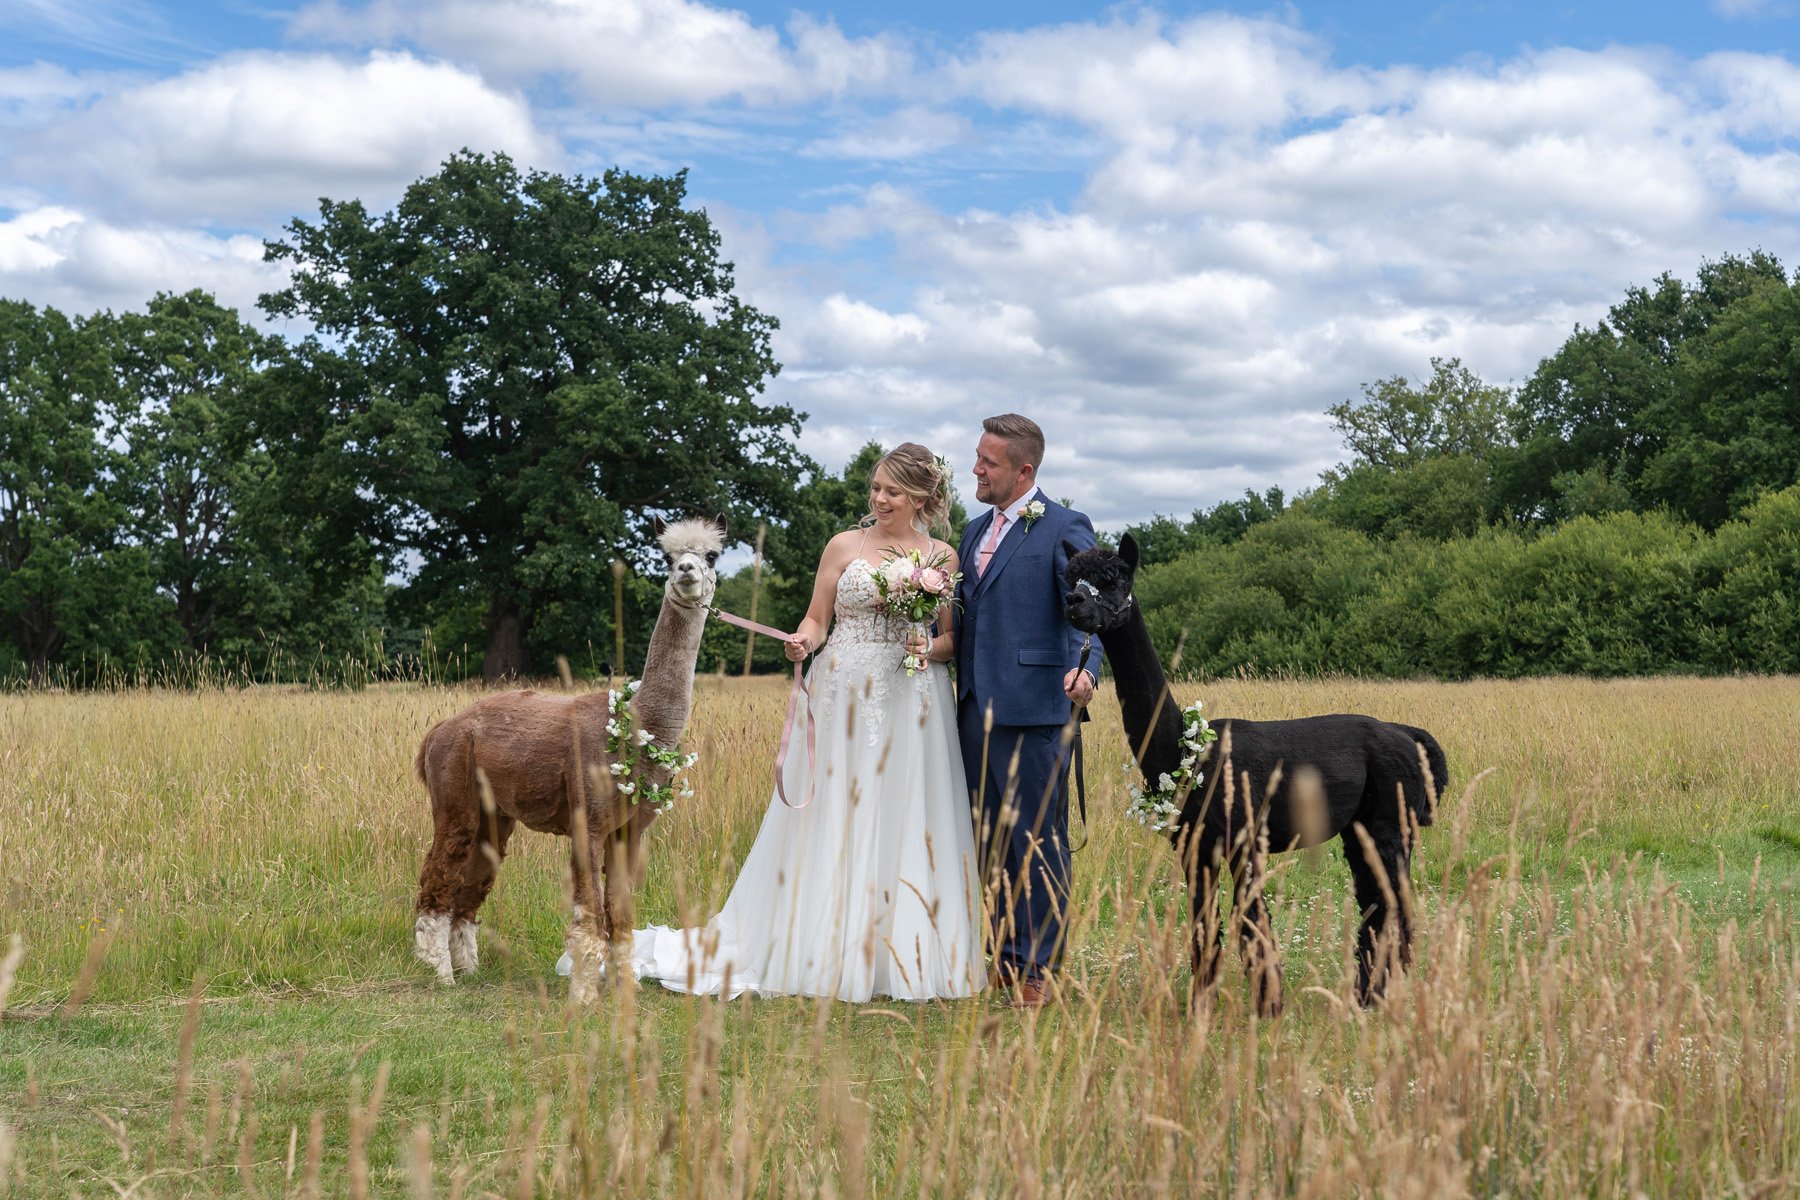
x,y
797,695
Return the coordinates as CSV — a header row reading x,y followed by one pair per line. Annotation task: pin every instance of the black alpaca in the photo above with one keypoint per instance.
x,y
1364,766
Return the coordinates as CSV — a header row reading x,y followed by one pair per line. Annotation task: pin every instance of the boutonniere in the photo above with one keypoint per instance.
x,y
1030,513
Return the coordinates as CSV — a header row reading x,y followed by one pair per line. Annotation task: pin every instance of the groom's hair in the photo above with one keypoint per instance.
x,y
1024,440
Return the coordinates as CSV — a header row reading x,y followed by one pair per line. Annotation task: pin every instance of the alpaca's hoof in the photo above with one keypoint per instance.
x,y
431,943
586,952
584,986
465,955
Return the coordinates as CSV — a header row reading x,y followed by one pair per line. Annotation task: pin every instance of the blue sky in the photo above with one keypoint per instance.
x,y
1173,233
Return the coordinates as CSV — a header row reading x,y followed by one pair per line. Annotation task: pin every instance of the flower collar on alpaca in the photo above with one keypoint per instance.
x,y
1030,513
636,749
1157,810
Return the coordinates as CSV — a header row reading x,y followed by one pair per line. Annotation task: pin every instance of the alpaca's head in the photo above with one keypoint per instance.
x,y
692,549
1099,581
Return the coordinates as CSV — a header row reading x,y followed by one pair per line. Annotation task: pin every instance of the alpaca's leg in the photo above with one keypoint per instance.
x,y
586,942
439,879
479,869
621,859
1207,931
1256,937
1378,865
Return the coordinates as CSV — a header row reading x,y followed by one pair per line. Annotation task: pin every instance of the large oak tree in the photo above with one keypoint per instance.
x,y
524,369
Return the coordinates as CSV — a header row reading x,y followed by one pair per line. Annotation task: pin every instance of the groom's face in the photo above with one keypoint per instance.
x,y
998,479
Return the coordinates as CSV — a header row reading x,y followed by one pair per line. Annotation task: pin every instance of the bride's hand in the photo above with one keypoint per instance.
x,y
919,644
796,649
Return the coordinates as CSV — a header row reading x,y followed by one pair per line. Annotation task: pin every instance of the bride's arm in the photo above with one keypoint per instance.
x,y
943,644
811,634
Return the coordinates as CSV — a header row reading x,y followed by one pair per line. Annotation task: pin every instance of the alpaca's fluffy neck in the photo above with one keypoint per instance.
x,y
1140,682
666,695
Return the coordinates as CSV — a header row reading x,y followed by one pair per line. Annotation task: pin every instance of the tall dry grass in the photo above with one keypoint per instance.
x,y
1605,999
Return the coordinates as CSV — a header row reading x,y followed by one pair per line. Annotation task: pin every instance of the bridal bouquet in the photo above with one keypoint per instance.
x,y
913,588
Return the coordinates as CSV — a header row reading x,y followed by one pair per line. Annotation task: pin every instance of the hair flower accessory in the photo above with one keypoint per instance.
x,y
1030,513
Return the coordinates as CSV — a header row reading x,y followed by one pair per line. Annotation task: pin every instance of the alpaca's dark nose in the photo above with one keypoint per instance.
x,y
1075,608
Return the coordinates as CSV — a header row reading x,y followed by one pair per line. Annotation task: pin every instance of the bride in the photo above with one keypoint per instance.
x,y
870,889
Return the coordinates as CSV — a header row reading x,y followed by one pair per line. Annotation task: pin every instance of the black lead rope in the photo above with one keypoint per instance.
x,y
1087,648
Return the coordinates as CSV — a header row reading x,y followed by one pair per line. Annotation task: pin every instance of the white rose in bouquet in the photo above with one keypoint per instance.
x,y
897,572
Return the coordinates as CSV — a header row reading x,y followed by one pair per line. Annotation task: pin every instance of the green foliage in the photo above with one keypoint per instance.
x,y
529,368
60,511
1425,459
1620,594
1399,424
186,371
1163,539
145,534
1746,600
1677,398
1443,496
1732,429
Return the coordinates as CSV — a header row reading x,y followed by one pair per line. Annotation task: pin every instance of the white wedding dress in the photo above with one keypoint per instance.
x,y
869,890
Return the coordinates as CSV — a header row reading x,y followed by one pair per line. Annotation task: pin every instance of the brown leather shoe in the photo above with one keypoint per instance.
x,y
1031,993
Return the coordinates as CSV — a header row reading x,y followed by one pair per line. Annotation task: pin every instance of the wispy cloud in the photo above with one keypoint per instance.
x,y
1751,9
126,30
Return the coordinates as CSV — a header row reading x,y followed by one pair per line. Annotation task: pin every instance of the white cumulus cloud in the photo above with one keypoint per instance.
x,y
629,53
66,259
255,135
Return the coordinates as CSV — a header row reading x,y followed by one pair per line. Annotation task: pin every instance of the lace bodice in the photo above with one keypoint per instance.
x,y
863,655
853,616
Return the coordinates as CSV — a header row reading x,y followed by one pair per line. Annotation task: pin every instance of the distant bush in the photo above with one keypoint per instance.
x,y
1619,594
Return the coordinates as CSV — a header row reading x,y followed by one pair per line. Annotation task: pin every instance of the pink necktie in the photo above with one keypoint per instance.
x,y
987,551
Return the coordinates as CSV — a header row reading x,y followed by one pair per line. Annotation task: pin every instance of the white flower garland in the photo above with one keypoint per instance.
x,y
630,747
1157,810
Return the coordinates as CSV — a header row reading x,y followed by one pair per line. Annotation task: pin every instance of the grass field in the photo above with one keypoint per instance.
x,y
212,892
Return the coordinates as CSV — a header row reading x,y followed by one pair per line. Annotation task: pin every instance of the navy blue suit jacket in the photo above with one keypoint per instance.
x,y
1013,642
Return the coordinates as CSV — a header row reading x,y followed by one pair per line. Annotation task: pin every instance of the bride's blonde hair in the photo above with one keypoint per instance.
x,y
922,475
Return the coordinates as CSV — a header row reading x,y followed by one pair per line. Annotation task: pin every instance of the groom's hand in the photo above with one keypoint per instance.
x,y
1078,686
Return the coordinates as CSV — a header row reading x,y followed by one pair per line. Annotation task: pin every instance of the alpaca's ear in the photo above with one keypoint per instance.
x,y
719,523
1070,549
657,525
1128,551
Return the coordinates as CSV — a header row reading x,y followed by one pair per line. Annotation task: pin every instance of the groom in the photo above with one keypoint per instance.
x,y
1016,673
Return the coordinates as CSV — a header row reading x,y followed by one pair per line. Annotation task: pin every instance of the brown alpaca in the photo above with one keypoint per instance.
x,y
542,761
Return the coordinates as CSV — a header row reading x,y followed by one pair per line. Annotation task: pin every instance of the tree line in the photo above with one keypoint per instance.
x,y
503,382
506,378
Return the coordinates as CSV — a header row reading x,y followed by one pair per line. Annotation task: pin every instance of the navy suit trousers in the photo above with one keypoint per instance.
x,y
1022,837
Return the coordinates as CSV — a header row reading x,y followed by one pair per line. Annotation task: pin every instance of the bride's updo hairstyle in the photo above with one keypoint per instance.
x,y
923,476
